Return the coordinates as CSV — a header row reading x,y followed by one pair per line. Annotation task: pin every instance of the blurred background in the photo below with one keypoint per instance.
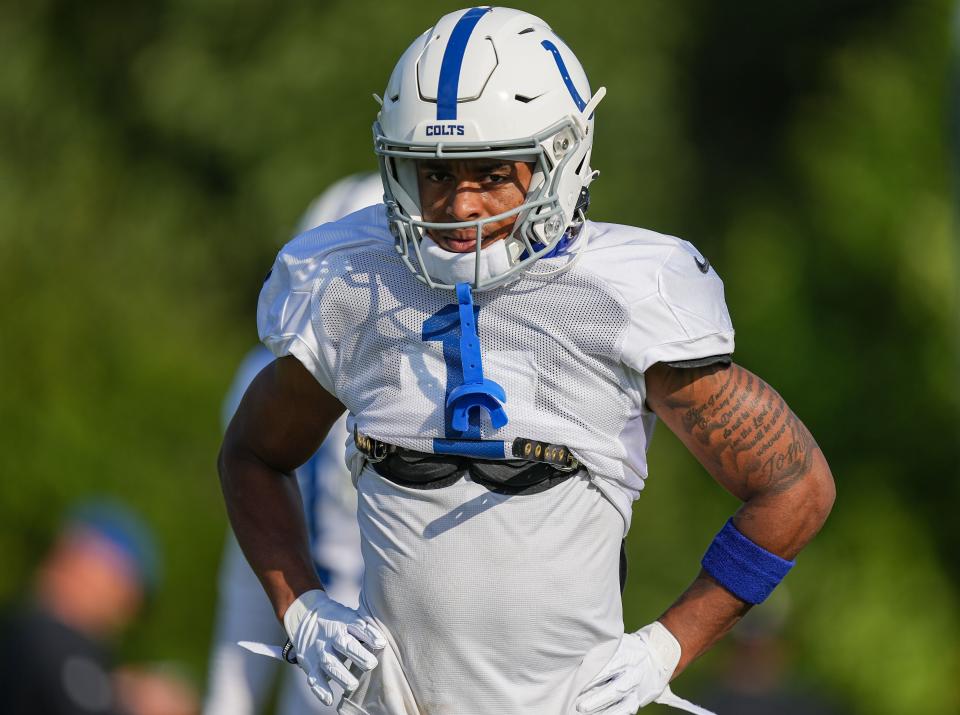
x,y
154,156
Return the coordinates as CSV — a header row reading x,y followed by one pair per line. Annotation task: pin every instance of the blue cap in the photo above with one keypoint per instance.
x,y
124,530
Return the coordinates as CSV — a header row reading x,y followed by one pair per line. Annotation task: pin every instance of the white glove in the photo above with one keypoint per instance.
x,y
324,633
636,675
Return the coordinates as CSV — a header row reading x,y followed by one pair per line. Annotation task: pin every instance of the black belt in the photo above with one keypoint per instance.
x,y
539,466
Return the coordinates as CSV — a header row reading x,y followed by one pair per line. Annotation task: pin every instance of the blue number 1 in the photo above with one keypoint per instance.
x,y
444,327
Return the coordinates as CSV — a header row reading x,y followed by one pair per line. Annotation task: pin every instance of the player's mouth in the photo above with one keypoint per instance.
x,y
457,245
462,242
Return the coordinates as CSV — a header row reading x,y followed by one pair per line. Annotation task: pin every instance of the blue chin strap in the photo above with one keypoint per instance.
x,y
476,392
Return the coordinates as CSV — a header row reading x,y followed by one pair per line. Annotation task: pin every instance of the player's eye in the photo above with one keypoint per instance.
x,y
497,178
437,177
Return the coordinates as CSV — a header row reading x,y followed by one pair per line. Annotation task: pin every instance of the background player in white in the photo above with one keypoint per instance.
x,y
240,682
504,397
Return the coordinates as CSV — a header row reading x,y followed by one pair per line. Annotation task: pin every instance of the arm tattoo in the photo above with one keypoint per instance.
x,y
744,428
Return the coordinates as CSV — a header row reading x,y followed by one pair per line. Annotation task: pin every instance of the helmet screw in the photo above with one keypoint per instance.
x,y
552,227
560,145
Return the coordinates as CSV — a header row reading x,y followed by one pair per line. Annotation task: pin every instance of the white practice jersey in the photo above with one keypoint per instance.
x,y
494,603
569,347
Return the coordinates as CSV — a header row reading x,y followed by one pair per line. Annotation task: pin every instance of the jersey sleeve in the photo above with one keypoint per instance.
x,y
285,311
684,319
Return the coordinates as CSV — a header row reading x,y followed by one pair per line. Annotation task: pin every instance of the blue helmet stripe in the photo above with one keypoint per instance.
x,y
448,89
552,48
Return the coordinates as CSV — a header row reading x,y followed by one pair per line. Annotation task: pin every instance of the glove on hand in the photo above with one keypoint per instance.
x,y
324,633
636,675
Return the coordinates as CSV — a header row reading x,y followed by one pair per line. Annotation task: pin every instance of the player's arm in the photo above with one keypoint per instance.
x,y
749,440
280,423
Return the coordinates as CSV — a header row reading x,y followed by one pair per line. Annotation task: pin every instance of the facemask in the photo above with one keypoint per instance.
x,y
449,267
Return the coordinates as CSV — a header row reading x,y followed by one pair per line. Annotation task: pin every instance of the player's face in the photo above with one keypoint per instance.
x,y
469,190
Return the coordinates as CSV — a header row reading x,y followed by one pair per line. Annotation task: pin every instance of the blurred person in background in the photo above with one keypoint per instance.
x,y
756,677
239,682
54,652
155,690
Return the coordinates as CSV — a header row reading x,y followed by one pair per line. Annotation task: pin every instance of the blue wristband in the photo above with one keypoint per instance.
x,y
746,570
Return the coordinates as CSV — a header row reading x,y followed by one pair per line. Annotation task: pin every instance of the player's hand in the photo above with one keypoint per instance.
x,y
635,676
324,633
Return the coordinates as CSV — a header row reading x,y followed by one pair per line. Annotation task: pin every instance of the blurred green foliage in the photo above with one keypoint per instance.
x,y
154,156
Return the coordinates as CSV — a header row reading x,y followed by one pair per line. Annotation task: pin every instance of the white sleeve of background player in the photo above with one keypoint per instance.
x,y
285,311
685,318
239,682
251,365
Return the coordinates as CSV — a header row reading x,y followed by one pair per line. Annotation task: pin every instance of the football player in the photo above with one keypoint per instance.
x,y
503,360
239,682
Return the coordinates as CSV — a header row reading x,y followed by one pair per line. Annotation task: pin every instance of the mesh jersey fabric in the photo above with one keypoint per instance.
x,y
490,603
568,346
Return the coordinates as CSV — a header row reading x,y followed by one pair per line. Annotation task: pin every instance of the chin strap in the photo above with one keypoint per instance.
x,y
669,699
476,391
577,246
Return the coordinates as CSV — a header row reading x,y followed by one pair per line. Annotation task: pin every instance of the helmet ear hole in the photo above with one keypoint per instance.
x,y
583,202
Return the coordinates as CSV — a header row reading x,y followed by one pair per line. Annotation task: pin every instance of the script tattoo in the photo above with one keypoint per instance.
x,y
744,426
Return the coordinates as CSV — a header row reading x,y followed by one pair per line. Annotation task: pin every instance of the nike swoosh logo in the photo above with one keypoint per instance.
x,y
703,265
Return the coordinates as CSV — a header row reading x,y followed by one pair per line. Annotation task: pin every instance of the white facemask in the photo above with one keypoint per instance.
x,y
449,267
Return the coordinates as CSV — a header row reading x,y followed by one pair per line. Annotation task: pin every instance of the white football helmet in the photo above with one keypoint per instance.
x,y
489,82
341,198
